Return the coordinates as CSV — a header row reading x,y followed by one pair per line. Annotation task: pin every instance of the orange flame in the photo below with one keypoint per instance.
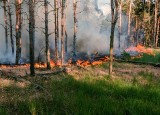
x,y
141,49
83,63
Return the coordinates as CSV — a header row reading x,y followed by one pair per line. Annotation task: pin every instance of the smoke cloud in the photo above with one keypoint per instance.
x,y
93,34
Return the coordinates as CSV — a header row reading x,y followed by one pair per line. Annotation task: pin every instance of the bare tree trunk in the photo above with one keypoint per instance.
x,y
75,30
120,25
155,22
47,35
149,31
66,41
66,35
32,35
137,31
158,31
18,30
11,26
58,6
56,30
5,24
62,30
129,22
149,4
114,14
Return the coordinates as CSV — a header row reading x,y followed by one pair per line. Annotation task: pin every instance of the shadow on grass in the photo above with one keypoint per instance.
x,y
87,97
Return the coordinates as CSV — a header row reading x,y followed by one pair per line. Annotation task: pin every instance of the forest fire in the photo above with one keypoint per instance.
x,y
80,62
140,49
90,61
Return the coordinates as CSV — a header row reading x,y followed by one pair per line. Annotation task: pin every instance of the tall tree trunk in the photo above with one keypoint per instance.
x,y
58,7
32,34
11,26
158,31
18,30
5,24
149,31
66,41
157,28
62,30
137,41
129,22
56,30
155,22
120,25
149,4
114,14
75,30
66,35
47,35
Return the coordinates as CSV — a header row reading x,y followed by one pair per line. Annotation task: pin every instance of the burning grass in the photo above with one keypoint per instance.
x,y
99,61
142,54
140,49
134,90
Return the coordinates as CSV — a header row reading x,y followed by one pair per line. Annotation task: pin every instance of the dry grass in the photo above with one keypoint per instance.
x,y
82,90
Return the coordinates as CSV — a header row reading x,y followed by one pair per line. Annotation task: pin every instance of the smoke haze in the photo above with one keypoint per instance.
x,y
93,34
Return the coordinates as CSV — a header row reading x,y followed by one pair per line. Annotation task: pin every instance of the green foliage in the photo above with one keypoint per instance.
x,y
149,58
126,56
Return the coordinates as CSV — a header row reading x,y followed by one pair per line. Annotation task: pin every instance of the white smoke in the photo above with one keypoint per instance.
x,y
93,32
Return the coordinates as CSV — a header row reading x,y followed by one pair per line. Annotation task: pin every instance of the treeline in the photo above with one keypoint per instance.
x,y
143,21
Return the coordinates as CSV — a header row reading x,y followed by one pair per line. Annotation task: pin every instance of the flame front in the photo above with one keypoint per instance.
x,y
140,49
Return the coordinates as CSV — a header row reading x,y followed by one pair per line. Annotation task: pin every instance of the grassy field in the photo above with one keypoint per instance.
x,y
84,91
149,58
146,58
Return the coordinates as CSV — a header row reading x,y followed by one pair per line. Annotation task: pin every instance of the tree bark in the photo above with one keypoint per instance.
x,y
137,41
75,30
56,30
5,24
62,30
32,35
11,26
114,15
66,41
18,30
47,35
120,25
157,28
129,22
158,31
66,35
155,22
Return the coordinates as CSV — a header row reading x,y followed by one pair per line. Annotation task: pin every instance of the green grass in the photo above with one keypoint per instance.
x,y
149,58
86,96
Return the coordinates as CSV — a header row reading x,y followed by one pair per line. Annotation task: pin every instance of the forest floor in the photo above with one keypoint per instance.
x,y
133,89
